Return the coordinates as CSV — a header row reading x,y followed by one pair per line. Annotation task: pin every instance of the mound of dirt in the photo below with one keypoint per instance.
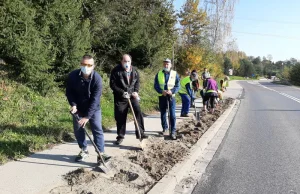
x,y
124,177
79,176
159,156
190,132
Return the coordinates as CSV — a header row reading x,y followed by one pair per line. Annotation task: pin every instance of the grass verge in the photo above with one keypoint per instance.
x,y
240,78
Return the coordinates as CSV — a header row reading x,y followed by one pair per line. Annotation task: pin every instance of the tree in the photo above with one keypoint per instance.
x,y
144,29
227,65
294,74
220,13
246,68
286,73
193,21
269,57
235,57
42,40
257,65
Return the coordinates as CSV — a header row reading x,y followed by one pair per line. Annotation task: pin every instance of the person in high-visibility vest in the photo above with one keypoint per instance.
x,y
167,84
186,93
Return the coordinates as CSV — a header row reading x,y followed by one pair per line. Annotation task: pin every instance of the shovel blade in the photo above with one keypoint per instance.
x,y
143,143
106,167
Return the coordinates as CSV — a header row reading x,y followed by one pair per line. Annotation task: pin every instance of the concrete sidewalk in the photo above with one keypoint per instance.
x,y
43,171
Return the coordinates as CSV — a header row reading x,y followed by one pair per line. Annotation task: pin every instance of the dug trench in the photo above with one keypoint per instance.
x,y
139,171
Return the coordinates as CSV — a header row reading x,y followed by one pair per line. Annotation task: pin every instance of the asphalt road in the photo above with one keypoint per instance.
x,y
260,153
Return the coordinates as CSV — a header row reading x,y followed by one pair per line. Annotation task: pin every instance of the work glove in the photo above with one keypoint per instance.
x,y
135,94
73,109
126,95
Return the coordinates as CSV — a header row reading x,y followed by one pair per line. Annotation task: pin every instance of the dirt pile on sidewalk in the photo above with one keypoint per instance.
x,y
159,156
125,177
190,133
137,171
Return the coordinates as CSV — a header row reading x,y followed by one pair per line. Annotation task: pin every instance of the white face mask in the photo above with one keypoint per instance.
x,y
127,66
87,70
167,69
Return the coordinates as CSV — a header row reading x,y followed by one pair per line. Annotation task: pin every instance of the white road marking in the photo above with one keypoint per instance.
x,y
281,93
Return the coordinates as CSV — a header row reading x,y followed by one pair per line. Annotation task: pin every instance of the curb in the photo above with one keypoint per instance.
x,y
180,172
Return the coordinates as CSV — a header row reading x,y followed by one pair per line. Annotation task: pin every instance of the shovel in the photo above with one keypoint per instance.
x,y
104,166
197,116
169,99
142,141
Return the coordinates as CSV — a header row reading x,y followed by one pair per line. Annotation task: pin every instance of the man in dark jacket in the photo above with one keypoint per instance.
x,y
84,88
125,83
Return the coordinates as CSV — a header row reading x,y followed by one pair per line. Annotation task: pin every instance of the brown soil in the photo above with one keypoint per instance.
x,y
159,156
124,177
139,170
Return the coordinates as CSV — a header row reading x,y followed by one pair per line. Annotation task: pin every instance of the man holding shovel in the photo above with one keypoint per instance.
x,y
84,88
186,93
166,84
125,83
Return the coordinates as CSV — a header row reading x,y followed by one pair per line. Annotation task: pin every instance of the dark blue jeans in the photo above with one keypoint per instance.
x,y
185,103
163,106
97,131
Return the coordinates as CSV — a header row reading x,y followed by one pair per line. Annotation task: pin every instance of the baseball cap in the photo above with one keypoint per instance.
x,y
167,60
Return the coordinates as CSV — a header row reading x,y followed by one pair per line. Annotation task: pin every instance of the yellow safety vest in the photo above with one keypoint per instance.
x,y
210,91
183,83
162,81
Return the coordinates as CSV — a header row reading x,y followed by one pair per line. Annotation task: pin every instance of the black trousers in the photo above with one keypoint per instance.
x,y
211,97
208,97
121,111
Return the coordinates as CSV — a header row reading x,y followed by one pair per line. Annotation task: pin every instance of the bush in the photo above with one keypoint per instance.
x,y
294,74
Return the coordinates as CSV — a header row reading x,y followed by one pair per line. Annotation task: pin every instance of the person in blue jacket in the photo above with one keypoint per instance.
x,y
83,91
166,84
186,93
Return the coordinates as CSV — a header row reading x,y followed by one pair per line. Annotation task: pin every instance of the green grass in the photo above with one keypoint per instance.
x,y
240,78
282,82
30,122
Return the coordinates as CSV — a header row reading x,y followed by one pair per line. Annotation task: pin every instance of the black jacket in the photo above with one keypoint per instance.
x,y
85,94
119,83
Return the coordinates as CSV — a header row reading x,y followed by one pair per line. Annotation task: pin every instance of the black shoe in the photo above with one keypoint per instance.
x,y
144,136
184,115
173,137
105,158
82,156
119,141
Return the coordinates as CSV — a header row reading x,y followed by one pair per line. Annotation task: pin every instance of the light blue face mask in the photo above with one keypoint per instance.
x,y
86,70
